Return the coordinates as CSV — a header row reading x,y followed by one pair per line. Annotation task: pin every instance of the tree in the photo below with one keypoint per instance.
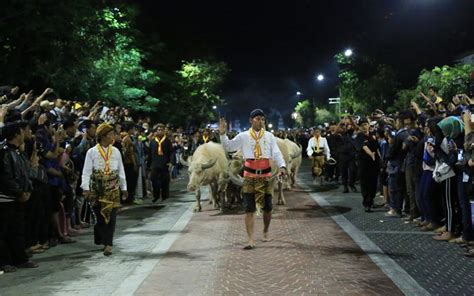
x,y
348,82
449,80
49,42
83,49
195,88
365,85
322,115
404,97
304,114
119,76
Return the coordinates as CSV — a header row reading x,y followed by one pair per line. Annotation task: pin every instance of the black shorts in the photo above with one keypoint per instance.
x,y
249,203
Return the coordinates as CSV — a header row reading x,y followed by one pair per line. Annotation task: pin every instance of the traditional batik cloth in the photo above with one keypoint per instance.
x,y
318,164
105,191
104,176
257,148
257,174
259,187
318,150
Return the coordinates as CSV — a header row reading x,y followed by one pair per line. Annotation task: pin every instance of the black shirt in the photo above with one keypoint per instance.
x,y
366,140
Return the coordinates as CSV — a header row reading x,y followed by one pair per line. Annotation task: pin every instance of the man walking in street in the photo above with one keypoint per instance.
x,y
159,160
258,148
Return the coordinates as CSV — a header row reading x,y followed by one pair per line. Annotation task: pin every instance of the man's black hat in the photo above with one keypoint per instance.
x,y
257,112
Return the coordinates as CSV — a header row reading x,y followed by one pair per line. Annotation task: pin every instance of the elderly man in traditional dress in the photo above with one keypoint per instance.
x,y
103,177
258,147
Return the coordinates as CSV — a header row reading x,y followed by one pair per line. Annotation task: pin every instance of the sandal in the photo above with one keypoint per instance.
x,y
8,268
28,264
66,240
37,251
85,225
108,251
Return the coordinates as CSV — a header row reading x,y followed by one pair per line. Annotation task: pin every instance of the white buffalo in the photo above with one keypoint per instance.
x,y
208,166
296,158
282,182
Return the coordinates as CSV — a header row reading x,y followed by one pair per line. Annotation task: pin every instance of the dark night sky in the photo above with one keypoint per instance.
x,y
275,49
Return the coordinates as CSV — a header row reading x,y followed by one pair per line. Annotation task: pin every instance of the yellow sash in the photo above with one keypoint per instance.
x,y
257,152
160,150
317,144
205,139
106,157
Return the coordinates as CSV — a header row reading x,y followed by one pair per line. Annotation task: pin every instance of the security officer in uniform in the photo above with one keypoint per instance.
x,y
368,162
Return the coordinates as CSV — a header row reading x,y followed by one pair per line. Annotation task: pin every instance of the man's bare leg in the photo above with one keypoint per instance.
x,y
249,222
267,217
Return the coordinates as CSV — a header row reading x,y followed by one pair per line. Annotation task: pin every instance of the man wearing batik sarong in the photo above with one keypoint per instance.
x,y
258,148
318,151
103,181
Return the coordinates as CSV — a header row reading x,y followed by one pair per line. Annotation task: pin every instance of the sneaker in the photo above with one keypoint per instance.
x,y
392,214
429,227
138,201
440,230
458,240
445,237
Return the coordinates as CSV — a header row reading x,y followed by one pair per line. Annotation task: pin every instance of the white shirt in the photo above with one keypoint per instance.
x,y
246,143
95,161
323,143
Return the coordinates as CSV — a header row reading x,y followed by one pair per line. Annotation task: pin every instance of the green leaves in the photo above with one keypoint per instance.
x,y
197,84
86,50
449,80
323,115
304,114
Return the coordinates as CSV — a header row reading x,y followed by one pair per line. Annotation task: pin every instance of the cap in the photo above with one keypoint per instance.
x,y
257,112
103,129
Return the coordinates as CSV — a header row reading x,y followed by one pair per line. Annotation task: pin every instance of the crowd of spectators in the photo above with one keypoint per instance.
x,y
422,160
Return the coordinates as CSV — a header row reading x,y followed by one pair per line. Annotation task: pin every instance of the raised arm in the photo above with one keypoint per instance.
x,y
229,145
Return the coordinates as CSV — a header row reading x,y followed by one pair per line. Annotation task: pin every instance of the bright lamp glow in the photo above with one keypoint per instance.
x,y
320,77
348,52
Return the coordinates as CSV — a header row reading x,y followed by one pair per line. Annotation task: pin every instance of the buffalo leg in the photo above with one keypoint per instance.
x,y
197,208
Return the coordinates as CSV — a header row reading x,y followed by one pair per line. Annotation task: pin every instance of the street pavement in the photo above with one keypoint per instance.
x,y
323,244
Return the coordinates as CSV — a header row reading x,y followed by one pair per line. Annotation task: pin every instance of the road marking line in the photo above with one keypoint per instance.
x,y
398,232
395,272
131,284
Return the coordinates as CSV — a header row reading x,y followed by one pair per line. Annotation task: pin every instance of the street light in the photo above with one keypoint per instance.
x,y
320,77
270,125
294,115
348,52
214,107
298,93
